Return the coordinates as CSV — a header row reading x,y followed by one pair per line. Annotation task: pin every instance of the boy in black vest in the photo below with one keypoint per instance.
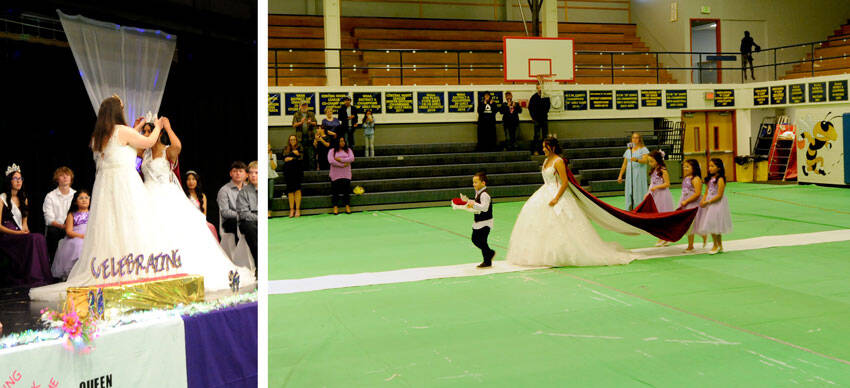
x,y
483,207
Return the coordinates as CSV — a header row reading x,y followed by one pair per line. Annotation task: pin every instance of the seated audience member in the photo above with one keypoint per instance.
x,y
226,199
76,223
55,207
195,192
25,251
247,203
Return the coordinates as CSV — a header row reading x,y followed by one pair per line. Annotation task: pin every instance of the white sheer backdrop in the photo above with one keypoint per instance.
x,y
130,62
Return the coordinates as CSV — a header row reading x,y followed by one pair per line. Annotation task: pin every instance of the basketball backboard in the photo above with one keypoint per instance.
x,y
527,58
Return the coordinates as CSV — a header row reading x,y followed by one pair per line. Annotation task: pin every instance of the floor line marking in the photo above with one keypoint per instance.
x,y
290,286
792,203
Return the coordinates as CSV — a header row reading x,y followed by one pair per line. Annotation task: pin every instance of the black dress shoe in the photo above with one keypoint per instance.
x,y
486,264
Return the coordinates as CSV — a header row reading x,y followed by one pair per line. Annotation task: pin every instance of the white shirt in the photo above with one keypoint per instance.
x,y
480,207
56,206
350,119
16,212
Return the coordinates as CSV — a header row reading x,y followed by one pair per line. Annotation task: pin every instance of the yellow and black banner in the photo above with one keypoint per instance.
x,y
398,102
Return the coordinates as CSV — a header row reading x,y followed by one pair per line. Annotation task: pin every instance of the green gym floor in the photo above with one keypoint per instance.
x,y
767,317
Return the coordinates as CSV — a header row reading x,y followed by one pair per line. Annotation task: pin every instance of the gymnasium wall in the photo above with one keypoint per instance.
x,y
772,23
590,11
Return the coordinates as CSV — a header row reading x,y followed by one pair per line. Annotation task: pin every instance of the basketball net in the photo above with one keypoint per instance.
x,y
546,83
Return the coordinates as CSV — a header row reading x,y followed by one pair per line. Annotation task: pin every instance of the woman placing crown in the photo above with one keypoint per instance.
x,y
26,251
122,241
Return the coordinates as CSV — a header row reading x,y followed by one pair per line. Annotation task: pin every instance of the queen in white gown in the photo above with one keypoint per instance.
x,y
560,233
120,221
183,225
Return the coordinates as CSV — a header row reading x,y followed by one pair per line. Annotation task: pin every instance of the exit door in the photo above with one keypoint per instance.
x,y
710,134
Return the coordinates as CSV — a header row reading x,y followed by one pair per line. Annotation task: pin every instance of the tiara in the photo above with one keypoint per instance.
x,y
13,168
191,172
150,117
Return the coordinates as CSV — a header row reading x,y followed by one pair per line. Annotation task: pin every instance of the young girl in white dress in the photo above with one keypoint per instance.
x,y
120,221
552,228
182,225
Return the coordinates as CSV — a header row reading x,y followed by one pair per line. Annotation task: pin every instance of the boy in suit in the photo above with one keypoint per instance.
x,y
483,210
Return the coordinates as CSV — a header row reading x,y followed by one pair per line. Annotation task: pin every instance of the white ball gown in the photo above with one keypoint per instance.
x,y
562,235
186,228
120,224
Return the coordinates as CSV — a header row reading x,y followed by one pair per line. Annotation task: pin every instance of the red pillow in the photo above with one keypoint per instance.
x,y
458,201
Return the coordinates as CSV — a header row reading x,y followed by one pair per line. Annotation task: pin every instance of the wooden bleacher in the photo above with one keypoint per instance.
x,y
838,45
477,67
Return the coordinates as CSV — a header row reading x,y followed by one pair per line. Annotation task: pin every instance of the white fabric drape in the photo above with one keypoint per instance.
x,y
128,61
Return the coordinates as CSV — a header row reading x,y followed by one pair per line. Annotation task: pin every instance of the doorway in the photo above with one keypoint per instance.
x,y
710,134
705,37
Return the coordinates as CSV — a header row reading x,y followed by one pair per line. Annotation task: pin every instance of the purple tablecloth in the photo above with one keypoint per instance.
x,y
221,347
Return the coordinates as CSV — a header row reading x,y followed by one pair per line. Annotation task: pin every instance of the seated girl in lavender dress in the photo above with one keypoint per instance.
x,y
659,186
75,231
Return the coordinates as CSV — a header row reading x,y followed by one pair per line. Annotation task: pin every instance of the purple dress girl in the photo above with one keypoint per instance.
x,y
662,198
70,248
687,192
716,217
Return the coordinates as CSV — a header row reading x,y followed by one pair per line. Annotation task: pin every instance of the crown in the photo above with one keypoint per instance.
x,y
13,168
150,117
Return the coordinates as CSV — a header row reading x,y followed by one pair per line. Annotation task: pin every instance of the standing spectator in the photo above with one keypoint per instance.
x,y
226,199
538,108
26,251
487,124
330,123
55,207
304,122
510,111
272,171
747,45
340,159
369,132
348,121
634,167
293,174
322,142
247,203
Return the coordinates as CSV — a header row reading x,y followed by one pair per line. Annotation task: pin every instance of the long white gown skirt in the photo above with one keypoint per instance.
x,y
562,235
186,228
120,223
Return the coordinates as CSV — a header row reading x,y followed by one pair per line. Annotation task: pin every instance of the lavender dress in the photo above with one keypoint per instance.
x,y
70,248
716,217
662,198
687,192
26,253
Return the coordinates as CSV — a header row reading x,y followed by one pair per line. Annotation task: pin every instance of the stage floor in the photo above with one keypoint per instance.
x,y
771,311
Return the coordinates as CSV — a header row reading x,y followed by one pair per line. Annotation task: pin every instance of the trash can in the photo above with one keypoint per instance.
x,y
761,168
744,168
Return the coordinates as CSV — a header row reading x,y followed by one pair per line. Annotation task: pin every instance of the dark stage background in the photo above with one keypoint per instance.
x,y
46,118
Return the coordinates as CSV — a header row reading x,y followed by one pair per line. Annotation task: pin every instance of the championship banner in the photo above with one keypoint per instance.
x,y
461,102
122,357
292,102
368,101
274,104
330,100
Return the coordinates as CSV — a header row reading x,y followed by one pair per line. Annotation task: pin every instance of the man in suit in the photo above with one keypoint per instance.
x,y
538,107
487,123
347,115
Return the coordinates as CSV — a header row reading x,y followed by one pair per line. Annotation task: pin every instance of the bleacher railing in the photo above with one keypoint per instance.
x,y
617,66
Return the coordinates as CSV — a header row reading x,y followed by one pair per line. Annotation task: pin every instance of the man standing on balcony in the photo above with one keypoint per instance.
x,y
538,108
747,45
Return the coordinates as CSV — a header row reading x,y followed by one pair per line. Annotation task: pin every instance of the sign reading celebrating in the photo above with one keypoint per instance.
x,y
724,97
627,99
650,98
292,102
332,100
368,101
817,92
461,102
601,99
838,90
760,96
398,102
797,93
575,100
777,95
274,104
677,99
430,102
